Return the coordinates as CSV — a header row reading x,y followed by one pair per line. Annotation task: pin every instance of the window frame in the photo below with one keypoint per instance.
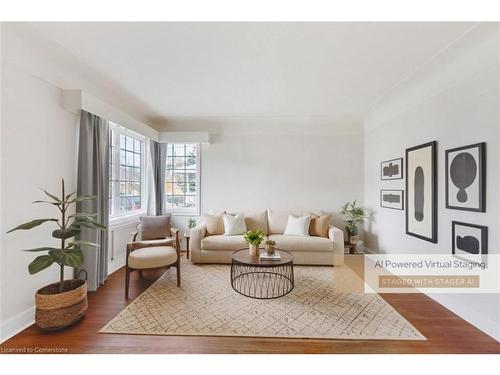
x,y
187,211
117,216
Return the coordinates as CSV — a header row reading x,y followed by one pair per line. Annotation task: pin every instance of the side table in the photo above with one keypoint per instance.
x,y
352,248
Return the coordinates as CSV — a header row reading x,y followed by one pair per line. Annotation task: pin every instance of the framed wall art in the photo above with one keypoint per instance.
x,y
391,169
466,178
392,199
469,241
421,192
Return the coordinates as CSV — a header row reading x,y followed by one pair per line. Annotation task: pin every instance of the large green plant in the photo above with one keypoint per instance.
x,y
69,253
254,237
353,217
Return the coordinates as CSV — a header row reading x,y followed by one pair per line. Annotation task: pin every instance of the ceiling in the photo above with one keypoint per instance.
x,y
253,69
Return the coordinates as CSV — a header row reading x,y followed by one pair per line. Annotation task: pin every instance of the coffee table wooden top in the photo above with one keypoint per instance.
x,y
243,256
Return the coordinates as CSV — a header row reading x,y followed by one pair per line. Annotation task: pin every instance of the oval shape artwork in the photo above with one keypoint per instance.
x,y
419,194
463,172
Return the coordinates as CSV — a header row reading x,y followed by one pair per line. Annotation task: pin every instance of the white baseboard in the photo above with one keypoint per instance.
x,y
16,324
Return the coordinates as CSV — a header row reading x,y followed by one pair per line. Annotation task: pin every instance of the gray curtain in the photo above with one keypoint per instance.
x,y
159,165
93,179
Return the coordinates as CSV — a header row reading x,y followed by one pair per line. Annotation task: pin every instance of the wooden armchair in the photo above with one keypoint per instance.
x,y
154,253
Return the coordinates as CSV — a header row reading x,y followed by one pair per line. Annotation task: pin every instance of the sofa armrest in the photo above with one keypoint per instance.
x,y
336,235
197,234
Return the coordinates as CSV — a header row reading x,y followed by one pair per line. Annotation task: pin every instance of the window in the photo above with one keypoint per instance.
x,y
182,178
126,189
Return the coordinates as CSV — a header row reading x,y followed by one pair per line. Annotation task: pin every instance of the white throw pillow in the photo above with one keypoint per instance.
x,y
298,226
234,225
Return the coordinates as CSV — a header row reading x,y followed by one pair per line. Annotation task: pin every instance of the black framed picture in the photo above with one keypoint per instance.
x,y
469,241
466,178
391,169
392,199
421,192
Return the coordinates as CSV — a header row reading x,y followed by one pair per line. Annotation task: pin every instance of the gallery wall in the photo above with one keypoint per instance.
x,y
454,100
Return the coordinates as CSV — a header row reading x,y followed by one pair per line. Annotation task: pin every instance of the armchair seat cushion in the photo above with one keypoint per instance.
x,y
158,242
169,241
152,257
220,242
295,243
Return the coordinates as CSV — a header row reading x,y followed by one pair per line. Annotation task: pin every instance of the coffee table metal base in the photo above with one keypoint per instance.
x,y
262,282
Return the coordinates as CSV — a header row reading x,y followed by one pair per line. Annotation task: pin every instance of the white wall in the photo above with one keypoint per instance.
x,y
118,237
38,149
278,163
454,100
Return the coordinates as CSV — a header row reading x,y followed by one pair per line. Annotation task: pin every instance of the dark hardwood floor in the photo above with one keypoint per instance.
x,y
445,331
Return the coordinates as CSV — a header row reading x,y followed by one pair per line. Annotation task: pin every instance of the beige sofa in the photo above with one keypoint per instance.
x,y
306,250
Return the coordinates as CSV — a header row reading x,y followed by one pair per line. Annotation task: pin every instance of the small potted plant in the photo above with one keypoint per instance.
x,y
354,216
191,223
62,304
254,238
270,246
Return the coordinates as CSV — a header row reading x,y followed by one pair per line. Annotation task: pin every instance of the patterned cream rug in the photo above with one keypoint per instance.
x,y
206,305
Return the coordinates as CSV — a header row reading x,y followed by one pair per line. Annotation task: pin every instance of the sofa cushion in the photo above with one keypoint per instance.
x,y
214,224
294,243
298,226
277,219
221,242
152,257
319,225
155,227
234,225
254,220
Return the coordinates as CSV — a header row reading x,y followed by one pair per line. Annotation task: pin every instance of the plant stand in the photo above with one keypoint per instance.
x,y
352,248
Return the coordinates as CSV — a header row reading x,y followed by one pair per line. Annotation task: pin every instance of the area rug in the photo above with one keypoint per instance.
x,y
206,305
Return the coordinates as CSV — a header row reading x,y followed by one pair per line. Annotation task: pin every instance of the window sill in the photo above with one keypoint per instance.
x,y
125,220
184,213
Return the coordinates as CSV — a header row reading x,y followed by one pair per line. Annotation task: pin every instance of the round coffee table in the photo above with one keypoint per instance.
x,y
262,278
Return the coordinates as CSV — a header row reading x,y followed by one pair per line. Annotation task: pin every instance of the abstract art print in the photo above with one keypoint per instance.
x,y
469,241
392,199
391,169
466,178
421,192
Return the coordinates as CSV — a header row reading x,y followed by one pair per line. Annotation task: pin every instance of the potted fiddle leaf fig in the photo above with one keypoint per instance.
x,y
62,304
354,216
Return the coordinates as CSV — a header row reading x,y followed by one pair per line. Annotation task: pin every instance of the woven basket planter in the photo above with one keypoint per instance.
x,y
56,310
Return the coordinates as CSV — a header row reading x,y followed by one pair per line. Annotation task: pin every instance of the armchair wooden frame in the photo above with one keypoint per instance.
x,y
133,245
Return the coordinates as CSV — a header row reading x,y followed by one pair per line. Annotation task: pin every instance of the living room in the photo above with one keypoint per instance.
x,y
255,175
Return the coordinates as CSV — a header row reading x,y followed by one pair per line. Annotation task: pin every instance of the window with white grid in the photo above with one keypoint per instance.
x,y
182,178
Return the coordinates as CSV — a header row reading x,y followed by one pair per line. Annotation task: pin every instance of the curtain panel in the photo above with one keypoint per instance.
x,y
93,179
159,166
